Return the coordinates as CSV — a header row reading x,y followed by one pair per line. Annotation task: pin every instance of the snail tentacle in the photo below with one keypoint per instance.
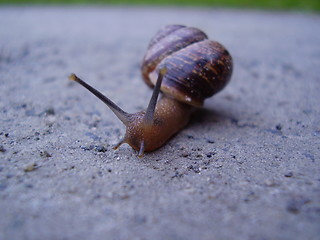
x,y
149,116
122,115
141,151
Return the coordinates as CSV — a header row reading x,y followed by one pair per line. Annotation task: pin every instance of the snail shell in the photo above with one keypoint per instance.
x,y
197,67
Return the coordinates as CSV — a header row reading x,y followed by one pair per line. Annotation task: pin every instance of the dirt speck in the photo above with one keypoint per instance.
x,y
45,154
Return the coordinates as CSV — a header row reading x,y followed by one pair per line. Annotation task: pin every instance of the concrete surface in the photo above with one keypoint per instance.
x,y
246,167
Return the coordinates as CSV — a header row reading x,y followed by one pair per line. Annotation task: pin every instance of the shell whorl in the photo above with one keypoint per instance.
x,y
197,67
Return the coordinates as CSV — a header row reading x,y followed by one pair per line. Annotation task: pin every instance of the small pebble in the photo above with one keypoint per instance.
x,y
100,148
45,154
289,174
295,204
197,170
87,148
2,149
31,167
177,175
50,111
9,175
124,197
185,154
217,165
210,154
270,183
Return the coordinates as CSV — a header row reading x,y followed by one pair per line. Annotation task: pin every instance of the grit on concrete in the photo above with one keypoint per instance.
x,y
246,166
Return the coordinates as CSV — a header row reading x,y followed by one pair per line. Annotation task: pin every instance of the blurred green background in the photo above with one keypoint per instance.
x,y
305,5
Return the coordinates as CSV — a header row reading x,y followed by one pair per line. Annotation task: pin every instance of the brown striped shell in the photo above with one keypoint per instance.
x,y
197,67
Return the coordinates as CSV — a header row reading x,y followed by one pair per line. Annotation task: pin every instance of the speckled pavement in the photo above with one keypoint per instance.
x,y
245,167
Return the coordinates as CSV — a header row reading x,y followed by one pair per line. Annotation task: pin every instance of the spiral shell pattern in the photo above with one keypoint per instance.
x,y
197,67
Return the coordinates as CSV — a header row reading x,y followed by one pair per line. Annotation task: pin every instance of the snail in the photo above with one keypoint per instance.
x,y
187,68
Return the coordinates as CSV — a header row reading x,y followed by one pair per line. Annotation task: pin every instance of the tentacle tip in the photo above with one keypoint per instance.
x,y
141,151
115,147
73,77
163,70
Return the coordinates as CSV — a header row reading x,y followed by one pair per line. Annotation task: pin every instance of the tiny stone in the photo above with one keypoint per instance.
x,y
270,183
295,204
2,149
293,208
45,154
196,170
217,165
184,154
177,175
9,175
29,185
124,197
289,174
210,154
31,167
240,161
50,111
85,148
279,127
100,148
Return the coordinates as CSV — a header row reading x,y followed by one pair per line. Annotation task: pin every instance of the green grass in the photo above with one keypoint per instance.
x,y
306,5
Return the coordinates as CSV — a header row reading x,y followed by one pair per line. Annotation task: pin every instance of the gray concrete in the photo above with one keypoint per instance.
x,y
246,167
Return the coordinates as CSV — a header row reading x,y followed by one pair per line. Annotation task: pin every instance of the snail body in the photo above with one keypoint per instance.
x,y
187,68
